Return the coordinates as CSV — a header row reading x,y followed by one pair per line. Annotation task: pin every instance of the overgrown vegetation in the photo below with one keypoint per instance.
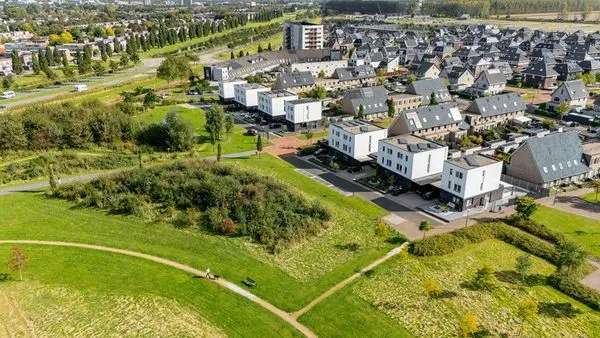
x,y
63,164
201,193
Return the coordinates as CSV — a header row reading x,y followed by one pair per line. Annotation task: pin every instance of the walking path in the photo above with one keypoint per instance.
x,y
348,280
33,186
186,268
570,201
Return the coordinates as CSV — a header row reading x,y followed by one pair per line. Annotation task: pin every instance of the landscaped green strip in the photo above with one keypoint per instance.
x,y
344,314
98,273
32,216
184,44
582,230
591,197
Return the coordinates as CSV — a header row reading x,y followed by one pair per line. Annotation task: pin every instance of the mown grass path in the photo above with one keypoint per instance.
x,y
186,268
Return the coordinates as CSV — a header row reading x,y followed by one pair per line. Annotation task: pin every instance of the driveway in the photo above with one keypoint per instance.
x,y
402,218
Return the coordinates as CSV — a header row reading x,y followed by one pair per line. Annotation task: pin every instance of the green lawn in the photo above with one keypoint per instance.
x,y
344,314
252,48
396,288
79,292
591,197
582,230
236,142
289,279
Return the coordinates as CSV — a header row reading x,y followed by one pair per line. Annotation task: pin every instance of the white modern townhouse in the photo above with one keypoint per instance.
x,y
272,103
227,89
303,114
355,139
415,160
470,182
246,94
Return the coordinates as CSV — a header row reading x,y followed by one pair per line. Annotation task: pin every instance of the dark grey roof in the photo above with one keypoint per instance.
x,y
373,99
492,77
426,87
542,69
294,79
556,156
473,161
497,105
432,116
575,90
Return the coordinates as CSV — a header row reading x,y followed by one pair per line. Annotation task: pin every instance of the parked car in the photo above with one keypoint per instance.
x,y
355,169
9,94
428,195
251,132
395,191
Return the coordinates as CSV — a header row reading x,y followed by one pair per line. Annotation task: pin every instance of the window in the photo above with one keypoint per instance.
x,y
397,166
449,184
428,163
451,171
545,169
389,163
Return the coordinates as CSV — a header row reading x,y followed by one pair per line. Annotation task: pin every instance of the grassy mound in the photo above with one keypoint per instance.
x,y
219,197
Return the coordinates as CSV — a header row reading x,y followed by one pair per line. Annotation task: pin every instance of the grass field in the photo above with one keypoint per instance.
x,y
184,44
236,142
396,289
582,230
289,279
252,48
78,292
591,197
344,314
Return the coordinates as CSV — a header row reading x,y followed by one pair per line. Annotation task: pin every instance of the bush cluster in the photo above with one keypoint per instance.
x,y
66,125
65,163
536,229
218,197
572,287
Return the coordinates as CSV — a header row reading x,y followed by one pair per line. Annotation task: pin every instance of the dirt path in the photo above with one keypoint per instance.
x,y
349,280
186,268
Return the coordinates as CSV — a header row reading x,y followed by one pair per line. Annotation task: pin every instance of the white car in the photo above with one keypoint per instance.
x,y
81,87
9,94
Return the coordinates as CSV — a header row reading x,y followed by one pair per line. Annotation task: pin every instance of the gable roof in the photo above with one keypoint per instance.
x,y
542,69
574,90
373,99
294,79
431,116
556,156
497,105
492,77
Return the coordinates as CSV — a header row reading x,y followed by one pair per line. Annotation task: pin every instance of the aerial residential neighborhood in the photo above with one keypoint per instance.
x,y
335,168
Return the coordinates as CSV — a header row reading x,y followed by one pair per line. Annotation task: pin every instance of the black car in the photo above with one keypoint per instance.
x,y
395,191
354,169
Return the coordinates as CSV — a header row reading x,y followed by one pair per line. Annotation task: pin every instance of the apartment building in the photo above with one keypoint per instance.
x,y
302,35
441,122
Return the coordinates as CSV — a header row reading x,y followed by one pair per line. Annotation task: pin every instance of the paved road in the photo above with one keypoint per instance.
x,y
347,186
186,268
145,69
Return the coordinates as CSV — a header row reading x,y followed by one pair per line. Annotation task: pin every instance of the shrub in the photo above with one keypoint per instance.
x,y
535,229
308,150
575,289
233,201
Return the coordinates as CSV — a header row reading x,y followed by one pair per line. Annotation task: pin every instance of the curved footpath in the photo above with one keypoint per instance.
x,y
186,268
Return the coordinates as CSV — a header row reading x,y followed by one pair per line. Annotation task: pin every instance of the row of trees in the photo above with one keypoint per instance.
x,y
485,8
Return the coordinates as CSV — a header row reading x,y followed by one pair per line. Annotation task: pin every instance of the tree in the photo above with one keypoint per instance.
x,y
595,184
229,123
523,265
468,325
17,261
562,109
259,145
180,133
124,60
7,81
99,68
322,74
17,64
570,257
35,63
432,99
424,227
484,279
219,152
215,124
391,108
361,112
432,288
231,55
51,177
410,78
382,230
173,68
150,99
525,207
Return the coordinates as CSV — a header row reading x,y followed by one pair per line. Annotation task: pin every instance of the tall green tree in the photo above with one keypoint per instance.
x,y
215,124
17,63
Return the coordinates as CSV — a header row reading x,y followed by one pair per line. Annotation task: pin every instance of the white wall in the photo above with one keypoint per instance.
x,y
357,146
247,97
411,165
474,182
226,88
273,105
303,112
328,67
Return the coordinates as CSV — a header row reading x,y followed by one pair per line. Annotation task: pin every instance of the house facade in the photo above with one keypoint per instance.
x,y
573,93
433,122
272,103
355,139
489,82
246,94
227,89
470,182
303,114
493,111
